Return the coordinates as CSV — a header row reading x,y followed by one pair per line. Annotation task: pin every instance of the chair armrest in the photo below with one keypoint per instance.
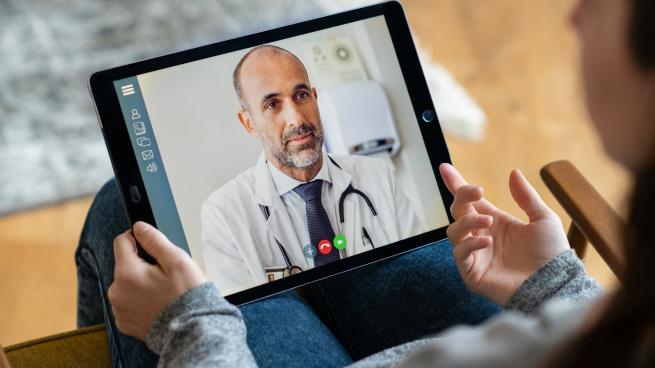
x,y
84,347
589,211
4,363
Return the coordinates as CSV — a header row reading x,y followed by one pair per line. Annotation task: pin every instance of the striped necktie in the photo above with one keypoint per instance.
x,y
318,222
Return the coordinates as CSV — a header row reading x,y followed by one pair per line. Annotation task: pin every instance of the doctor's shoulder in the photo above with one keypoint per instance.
x,y
366,170
233,197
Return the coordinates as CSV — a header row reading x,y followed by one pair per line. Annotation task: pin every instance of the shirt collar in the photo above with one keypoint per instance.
x,y
284,183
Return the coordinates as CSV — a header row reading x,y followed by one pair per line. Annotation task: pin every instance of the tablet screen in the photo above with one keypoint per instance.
x,y
280,158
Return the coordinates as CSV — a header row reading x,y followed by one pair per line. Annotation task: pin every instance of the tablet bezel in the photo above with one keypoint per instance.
x,y
125,163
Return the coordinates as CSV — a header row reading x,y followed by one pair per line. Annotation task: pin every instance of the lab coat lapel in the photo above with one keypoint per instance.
x,y
341,179
279,224
264,188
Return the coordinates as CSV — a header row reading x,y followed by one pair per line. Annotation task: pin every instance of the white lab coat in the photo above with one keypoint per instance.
x,y
239,244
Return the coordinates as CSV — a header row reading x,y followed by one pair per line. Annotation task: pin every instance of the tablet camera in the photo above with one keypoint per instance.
x,y
428,116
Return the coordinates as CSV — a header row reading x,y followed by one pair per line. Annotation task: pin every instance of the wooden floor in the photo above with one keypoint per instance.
x,y
517,58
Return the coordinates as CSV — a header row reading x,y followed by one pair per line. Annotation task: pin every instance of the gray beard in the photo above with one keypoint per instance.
x,y
302,159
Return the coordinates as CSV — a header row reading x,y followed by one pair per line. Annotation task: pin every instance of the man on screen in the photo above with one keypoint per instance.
x,y
283,215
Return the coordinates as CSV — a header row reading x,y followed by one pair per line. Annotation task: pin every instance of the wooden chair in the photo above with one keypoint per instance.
x,y
592,218
83,347
4,363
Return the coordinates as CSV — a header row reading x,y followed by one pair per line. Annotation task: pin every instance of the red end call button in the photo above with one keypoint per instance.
x,y
324,246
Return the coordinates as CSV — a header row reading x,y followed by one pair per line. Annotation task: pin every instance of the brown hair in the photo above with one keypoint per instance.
x,y
624,335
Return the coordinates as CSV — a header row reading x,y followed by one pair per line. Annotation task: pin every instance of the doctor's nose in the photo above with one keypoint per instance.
x,y
293,116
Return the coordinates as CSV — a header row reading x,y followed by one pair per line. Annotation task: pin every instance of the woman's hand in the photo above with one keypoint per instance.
x,y
494,251
140,290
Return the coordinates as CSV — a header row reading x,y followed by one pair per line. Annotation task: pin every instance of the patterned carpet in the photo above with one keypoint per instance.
x,y
50,144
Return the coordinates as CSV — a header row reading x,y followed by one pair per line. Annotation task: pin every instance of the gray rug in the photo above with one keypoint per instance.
x,y
50,144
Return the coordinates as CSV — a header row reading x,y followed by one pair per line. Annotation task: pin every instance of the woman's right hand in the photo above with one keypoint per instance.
x,y
494,251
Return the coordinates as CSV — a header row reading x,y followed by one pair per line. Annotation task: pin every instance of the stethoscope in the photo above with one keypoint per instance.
x,y
292,269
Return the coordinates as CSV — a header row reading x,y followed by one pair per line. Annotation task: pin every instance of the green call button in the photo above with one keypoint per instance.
x,y
339,242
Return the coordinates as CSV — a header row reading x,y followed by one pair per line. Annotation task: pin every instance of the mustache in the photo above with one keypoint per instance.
x,y
302,129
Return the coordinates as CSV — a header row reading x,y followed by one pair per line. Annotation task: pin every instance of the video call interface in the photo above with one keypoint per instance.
x,y
272,160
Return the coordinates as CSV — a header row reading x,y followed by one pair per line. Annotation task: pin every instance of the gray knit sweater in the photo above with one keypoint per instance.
x,y
201,329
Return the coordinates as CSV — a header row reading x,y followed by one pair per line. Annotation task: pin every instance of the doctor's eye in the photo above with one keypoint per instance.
x,y
302,95
272,105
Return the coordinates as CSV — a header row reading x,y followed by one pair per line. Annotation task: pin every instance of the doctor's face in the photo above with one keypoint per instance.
x,y
281,108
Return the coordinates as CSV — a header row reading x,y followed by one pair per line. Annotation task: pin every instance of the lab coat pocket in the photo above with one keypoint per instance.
x,y
378,236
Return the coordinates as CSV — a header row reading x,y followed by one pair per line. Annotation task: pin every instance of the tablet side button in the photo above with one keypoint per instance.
x,y
135,196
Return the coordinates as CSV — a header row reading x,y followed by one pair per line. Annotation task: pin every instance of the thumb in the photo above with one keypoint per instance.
x,y
527,197
157,244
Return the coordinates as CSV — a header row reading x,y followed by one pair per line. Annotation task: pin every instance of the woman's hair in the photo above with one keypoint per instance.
x,y
624,335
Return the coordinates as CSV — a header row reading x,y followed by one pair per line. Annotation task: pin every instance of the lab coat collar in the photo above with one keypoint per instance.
x,y
263,183
341,178
284,183
265,189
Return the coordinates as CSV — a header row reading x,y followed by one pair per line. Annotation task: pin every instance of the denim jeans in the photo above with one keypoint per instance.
x,y
341,319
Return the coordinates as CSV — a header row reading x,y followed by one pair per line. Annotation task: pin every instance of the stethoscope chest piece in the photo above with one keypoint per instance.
x,y
293,270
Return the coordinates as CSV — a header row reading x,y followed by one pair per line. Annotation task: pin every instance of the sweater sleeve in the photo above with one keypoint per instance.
x,y
200,329
564,277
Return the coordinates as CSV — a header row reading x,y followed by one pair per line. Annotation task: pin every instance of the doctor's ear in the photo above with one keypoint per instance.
x,y
246,122
314,93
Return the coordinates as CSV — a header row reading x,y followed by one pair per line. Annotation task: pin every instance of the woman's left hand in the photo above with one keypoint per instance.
x,y
140,290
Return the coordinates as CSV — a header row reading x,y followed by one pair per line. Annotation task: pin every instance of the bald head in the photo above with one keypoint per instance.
x,y
267,54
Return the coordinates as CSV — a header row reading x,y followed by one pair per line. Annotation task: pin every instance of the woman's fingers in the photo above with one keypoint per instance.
x,y
465,197
451,177
463,250
527,197
454,180
460,229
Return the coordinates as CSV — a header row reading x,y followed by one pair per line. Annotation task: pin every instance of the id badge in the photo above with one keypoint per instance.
x,y
274,273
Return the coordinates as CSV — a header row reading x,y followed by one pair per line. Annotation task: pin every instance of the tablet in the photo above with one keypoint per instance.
x,y
283,157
